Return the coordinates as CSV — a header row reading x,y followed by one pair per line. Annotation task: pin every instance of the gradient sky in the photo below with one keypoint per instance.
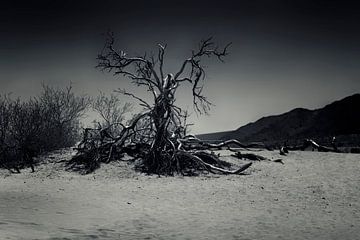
x,y
285,54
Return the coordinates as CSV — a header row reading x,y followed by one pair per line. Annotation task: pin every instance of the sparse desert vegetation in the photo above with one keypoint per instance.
x,y
36,126
136,169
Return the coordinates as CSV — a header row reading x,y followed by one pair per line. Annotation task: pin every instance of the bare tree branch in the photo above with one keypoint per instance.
x,y
160,132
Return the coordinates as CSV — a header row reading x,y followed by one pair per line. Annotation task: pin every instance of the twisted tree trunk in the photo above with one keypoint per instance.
x,y
169,149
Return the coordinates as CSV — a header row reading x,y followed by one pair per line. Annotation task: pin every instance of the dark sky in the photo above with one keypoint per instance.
x,y
285,54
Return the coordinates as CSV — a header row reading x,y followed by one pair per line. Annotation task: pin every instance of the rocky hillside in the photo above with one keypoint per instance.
x,y
340,118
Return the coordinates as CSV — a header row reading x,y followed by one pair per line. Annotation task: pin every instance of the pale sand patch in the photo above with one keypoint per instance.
x,y
312,196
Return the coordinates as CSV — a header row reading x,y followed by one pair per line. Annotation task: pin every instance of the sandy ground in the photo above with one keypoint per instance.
x,y
312,196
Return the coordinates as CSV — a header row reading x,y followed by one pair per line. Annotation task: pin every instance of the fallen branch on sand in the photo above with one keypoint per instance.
x,y
309,143
249,156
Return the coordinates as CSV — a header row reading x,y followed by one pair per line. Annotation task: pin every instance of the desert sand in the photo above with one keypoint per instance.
x,y
312,196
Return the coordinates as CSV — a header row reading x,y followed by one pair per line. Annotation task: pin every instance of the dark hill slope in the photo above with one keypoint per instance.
x,y
338,118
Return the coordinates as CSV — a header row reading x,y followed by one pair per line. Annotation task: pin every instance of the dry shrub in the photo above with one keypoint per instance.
x,y
38,125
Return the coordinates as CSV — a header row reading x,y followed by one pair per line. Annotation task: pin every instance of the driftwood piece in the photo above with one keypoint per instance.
x,y
283,151
312,143
230,143
321,148
278,161
254,157
249,156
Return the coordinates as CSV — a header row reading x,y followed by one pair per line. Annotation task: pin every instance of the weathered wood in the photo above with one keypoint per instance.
x,y
249,156
168,149
311,143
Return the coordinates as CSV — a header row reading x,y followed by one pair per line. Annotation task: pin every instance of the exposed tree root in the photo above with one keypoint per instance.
x,y
199,157
181,156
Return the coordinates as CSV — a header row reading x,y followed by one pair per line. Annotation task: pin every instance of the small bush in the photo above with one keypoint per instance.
x,y
111,111
29,128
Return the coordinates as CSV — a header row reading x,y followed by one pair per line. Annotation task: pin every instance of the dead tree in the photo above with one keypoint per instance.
x,y
168,148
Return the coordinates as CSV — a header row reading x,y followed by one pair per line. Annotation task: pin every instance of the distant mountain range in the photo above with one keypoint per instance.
x,y
336,119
